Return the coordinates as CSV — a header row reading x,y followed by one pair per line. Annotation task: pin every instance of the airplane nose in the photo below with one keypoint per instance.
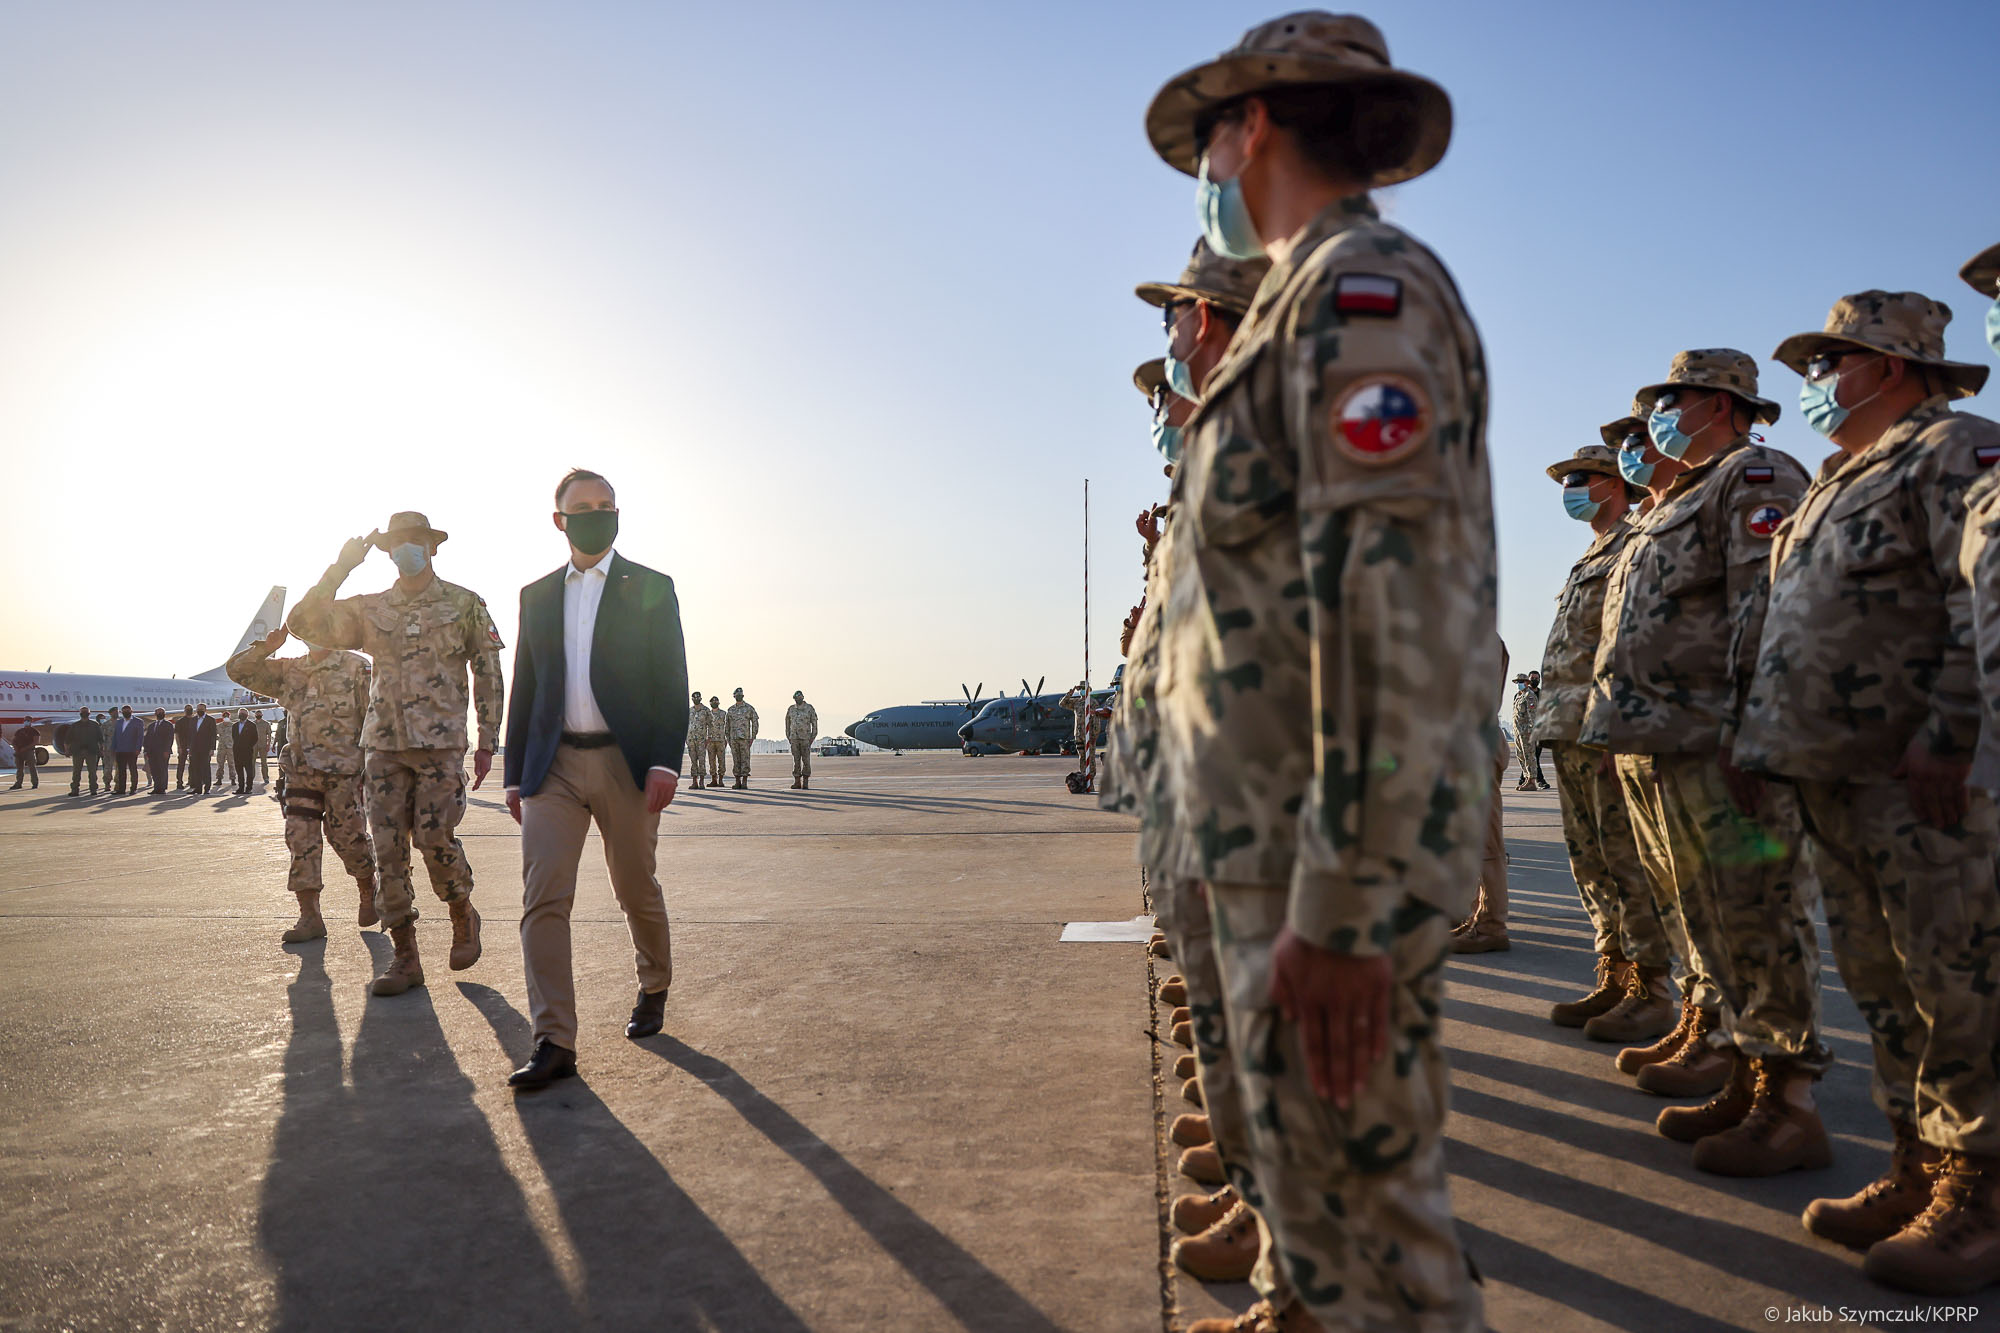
x,y
965,732
851,730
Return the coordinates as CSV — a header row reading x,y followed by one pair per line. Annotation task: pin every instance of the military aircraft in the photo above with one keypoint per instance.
x,y
1029,723
930,725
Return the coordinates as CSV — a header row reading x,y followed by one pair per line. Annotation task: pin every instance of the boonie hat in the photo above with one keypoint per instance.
x,y
1590,458
1151,375
1983,271
406,523
1905,324
1710,368
1308,47
1229,283
1614,432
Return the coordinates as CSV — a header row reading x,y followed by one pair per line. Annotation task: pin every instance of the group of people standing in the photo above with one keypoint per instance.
x,y
715,733
215,749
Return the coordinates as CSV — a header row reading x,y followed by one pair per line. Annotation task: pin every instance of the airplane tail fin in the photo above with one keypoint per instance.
x,y
269,616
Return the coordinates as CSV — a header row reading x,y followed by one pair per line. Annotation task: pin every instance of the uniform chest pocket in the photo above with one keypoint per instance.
x,y
1684,559
1872,530
1249,478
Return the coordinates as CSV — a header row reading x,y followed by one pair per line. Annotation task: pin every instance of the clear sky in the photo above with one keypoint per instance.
x,y
839,295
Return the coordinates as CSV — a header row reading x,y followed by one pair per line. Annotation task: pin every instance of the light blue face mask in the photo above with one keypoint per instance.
x,y
1822,409
1634,470
410,558
1668,438
1167,439
1225,218
1993,327
1578,504
1181,379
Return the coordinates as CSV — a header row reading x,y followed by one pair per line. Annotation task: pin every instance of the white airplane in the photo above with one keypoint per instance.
x,y
50,699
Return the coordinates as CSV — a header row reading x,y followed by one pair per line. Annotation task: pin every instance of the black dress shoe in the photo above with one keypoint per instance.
x,y
648,1016
549,1063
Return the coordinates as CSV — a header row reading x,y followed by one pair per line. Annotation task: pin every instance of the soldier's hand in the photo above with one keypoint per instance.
x,y
1341,1004
660,789
356,549
1149,526
514,803
482,764
1937,786
276,638
1746,789
1607,766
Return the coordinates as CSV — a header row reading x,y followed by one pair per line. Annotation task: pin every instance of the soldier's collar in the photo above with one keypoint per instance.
x,y
1892,442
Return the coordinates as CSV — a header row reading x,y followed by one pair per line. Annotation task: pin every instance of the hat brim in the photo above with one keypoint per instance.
x,y
1151,375
1159,293
1982,271
1762,410
1557,471
383,542
1170,120
1613,433
1964,378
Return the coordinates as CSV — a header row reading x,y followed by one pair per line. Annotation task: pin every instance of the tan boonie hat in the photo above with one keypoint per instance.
x,y
1905,324
1710,368
1150,376
1590,458
1229,283
1983,271
1614,432
406,524
1309,47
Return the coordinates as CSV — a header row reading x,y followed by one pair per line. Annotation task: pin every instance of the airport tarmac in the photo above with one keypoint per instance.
x,y
887,1096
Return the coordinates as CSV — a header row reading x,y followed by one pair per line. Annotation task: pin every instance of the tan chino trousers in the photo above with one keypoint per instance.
x,y
582,786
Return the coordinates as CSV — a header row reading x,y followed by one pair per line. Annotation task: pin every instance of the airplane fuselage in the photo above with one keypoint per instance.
x,y
913,726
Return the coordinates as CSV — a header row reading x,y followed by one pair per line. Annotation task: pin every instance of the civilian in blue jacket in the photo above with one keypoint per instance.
x,y
126,739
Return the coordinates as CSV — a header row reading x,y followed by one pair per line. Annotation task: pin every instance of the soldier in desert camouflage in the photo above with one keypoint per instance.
x,y
697,743
742,724
801,730
718,740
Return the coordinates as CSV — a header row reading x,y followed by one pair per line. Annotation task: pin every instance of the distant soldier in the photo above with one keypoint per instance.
x,y
104,759
742,731
1527,697
327,691
423,634
697,746
83,747
801,729
718,740
26,737
225,749
263,746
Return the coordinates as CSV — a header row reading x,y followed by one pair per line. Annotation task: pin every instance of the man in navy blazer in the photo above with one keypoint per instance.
x,y
595,732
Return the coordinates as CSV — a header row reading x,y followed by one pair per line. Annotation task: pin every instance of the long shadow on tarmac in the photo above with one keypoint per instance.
x,y
387,1205
651,1258
979,1298
1581,1289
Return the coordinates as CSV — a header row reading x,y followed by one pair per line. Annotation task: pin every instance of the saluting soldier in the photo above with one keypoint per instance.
x,y
423,635
1327,667
801,730
697,743
325,698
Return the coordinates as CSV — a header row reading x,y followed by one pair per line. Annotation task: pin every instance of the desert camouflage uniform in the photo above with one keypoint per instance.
x,y
1328,653
742,731
414,733
321,765
718,740
697,742
801,730
1596,824
1526,699
1979,561
1682,615
1867,645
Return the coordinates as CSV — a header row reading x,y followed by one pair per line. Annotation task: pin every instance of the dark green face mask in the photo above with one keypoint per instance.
x,y
593,532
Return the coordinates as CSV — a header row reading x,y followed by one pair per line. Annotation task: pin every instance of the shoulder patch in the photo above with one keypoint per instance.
x,y
494,635
1986,455
1764,520
1760,474
1368,294
1380,419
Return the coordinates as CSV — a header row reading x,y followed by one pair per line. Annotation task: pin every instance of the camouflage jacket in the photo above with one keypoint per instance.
x,y
1979,562
1328,645
1868,639
1132,739
324,702
741,724
1685,606
801,723
422,646
1526,699
698,716
1572,645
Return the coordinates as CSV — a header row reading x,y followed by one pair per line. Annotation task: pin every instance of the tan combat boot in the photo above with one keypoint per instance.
x,y
1725,1110
310,926
464,935
366,915
1191,1091
1203,1165
1173,991
1611,970
1182,1014
1226,1252
1261,1318
405,969
1782,1132
1196,1213
1156,947
1190,1131
1481,934
1953,1248
1183,1035
1646,1011
1696,1069
1184,1067
1884,1206
1634,1058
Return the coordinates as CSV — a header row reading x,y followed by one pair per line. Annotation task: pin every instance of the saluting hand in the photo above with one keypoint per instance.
x,y
355,550
1341,1004
276,638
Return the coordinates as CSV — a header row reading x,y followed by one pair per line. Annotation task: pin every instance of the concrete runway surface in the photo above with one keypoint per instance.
x,y
887,1097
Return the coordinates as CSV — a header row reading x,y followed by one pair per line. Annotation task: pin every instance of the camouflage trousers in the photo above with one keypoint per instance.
x,y
416,796
1648,814
802,759
1914,912
324,807
1604,858
1747,904
1181,908
1356,1199
739,753
716,750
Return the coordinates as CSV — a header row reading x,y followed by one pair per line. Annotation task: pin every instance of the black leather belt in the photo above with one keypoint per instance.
x,y
588,740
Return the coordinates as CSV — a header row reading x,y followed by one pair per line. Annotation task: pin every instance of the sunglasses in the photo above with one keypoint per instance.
x,y
1828,363
1580,478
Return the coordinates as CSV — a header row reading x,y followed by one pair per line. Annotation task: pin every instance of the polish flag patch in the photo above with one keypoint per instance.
x,y
1760,476
1764,520
1367,294
1987,454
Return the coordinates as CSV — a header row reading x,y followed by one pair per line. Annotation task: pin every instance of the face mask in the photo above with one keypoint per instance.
x,y
1578,504
1225,218
1822,408
1993,327
1167,439
592,533
1633,470
410,558
1668,438
1180,378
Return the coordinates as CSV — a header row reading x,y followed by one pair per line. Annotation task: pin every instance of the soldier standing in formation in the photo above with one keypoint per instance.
x,y
742,722
718,740
83,744
1527,752
697,741
801,730
423,635
325,698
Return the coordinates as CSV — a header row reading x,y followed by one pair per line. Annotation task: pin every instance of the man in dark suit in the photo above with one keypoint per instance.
x,y
595,731
204,746
184,736
243,750
159,749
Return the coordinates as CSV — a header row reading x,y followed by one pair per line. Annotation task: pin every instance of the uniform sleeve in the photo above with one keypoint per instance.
x,y
489,688
319,619
1952,728
1378,405
1751,513
253,670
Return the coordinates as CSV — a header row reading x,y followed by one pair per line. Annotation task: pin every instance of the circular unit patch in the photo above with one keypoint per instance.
x,y
1380,419
1764,520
